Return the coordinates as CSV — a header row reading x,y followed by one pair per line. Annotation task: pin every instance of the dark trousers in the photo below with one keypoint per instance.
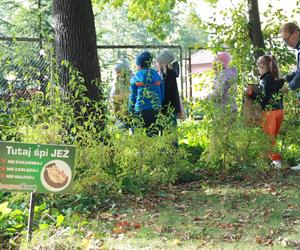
x,y
148,118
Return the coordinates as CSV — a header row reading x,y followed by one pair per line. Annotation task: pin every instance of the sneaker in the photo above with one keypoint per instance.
x,y
277,164
296,168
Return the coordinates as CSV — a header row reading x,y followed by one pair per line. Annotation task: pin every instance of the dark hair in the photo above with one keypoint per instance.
x,y
290,28
271,62
144,59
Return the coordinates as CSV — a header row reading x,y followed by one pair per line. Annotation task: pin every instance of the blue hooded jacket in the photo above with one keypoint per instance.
x,y
147,91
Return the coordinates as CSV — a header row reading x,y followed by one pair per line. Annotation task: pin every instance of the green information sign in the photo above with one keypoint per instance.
x,y
37,168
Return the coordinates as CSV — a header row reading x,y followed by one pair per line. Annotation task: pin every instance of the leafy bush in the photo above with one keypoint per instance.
x,y
14,217
290,131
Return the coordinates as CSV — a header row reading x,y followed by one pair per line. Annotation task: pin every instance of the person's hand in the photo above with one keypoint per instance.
x,y
283,79
284,89
248,91
181,115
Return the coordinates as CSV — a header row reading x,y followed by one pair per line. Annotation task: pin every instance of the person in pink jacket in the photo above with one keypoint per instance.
x,y
224,82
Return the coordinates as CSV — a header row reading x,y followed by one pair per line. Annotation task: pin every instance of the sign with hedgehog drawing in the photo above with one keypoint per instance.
x,y
37,168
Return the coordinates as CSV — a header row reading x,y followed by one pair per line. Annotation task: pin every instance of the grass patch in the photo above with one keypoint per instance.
x,y
200,215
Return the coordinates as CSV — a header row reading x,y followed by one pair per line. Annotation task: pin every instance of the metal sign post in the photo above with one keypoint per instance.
x,y
30,217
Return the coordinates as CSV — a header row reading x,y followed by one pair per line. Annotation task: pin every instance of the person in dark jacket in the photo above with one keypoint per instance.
x,y
171,104
290,33
146,93
271,101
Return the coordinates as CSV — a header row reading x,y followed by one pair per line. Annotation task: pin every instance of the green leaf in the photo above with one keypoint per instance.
x,y
59,220
4,209
43,226
20,225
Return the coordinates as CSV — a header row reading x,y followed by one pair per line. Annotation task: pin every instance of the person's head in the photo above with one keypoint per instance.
x,y
119,69
223,58
144,60
165,58
122,68
266,64
290,33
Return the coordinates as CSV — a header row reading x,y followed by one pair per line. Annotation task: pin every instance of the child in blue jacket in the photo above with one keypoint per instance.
x,y
146,93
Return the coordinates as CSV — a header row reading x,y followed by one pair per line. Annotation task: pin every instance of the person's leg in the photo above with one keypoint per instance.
x,y
173,122
275,156
149,117
269,126
279,119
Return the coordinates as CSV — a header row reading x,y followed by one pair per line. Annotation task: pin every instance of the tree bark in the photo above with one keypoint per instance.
x,y
75,42
255,31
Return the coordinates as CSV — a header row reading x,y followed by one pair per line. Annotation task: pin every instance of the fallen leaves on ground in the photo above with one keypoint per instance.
x,y
91,243
263,240
122,227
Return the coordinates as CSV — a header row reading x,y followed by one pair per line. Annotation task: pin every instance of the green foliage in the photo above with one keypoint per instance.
x,y
232,34
14,218
25,18
155,15
290,131
229,141
124,162
108,159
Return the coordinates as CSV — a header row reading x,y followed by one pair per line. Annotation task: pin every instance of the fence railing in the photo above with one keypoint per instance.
x,y
24,67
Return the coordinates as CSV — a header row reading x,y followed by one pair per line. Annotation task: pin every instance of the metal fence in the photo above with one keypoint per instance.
x,y
24,67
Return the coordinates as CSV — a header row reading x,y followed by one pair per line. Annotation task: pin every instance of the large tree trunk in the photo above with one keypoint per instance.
x,y
76,42
255,31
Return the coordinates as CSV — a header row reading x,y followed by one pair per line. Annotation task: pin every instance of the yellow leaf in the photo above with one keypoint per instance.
x,y
4,209
176,242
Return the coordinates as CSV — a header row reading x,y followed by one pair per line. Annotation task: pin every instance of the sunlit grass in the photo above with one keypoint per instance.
x,y
226,217
202,216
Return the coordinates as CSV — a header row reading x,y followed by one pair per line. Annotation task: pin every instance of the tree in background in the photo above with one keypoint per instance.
x,y
75,42
30,18
233,34
255,32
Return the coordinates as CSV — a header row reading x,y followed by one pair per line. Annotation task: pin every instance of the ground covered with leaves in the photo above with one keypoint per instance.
x,y
211,213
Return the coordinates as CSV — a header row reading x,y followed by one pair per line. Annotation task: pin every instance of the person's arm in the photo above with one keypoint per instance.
x,y
112,93
162,91
295,82
217,89
278,84
289,77
132,97
253,92
159,81
177,103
